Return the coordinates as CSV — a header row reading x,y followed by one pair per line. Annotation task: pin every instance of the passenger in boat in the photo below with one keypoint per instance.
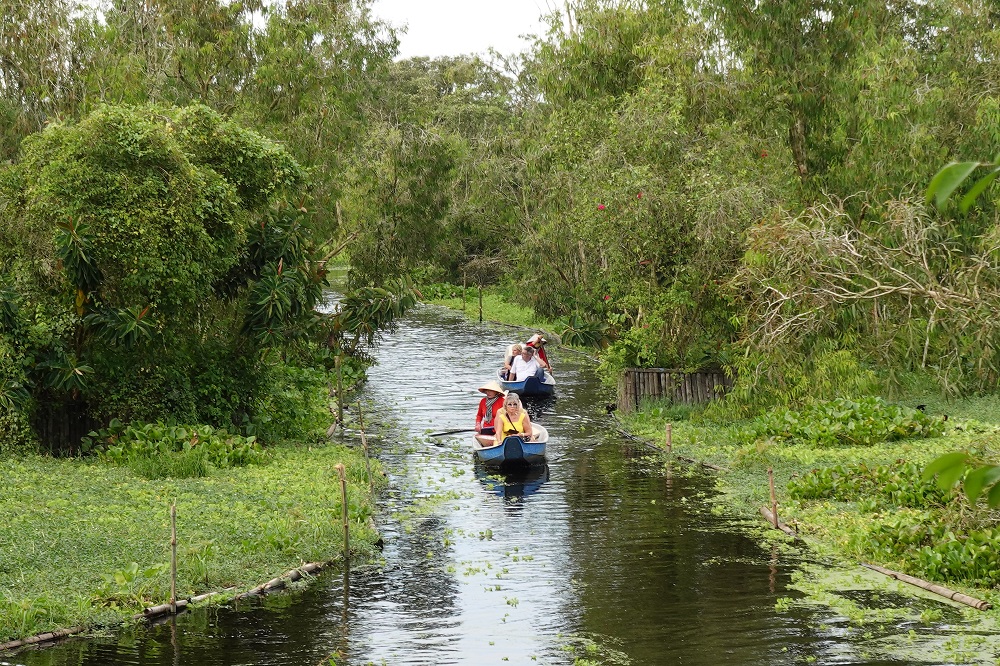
x,y
488,407
525,366
513,352
538,342
513,419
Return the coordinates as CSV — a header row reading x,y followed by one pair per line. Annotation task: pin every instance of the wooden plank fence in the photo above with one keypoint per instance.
x,y
60,426
638,384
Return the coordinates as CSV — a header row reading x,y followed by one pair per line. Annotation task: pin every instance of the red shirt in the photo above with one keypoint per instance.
x,y
481,414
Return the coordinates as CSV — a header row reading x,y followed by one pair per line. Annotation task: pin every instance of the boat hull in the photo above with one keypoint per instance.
x,y
530,386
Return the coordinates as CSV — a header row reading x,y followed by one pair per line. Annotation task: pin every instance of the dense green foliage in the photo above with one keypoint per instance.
x,y
149,264
863,422
686,184
892,485
734,184
158,450
911,519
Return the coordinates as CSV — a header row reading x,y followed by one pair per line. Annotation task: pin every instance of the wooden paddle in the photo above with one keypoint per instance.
x,y
451,432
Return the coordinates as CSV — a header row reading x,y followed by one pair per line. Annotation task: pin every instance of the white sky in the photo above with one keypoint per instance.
x,y
454,27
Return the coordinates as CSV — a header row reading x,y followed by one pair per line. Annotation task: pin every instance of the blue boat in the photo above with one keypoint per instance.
x,y
513,451
530,386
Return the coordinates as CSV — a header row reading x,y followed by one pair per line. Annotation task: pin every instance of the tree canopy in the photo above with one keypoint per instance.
x,y
688,184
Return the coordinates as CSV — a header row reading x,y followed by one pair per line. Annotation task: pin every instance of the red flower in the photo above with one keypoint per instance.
x,y
638,196
607,297
763,153
600,206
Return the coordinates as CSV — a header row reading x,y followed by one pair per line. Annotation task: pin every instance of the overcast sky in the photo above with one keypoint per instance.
x,y
453,27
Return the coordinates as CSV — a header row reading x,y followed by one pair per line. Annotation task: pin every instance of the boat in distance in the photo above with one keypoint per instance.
x,y
529,387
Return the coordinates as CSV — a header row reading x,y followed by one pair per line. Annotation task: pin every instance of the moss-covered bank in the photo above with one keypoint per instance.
x,y
87,543
855,503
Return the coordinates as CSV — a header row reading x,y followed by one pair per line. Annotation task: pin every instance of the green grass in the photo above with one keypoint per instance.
x,y
72,530
495,308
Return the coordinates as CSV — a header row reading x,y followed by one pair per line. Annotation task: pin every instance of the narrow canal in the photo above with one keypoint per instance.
x,y
607,556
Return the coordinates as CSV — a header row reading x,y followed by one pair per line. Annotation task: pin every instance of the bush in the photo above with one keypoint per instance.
x,y
844,422
296,402
897,485
158,450
16,436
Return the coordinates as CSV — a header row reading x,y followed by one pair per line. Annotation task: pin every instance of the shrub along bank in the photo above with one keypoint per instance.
x,y
849,478
87,542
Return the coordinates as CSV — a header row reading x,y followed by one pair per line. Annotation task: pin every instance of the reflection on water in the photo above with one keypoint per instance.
x,y
605,556
513,486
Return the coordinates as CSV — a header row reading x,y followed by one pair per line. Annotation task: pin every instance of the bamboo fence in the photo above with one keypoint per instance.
x,y
638,384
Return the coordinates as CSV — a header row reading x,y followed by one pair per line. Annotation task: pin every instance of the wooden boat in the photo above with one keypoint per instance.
x,y
530,386
513,451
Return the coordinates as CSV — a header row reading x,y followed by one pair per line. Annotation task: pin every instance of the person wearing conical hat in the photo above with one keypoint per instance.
x,y
488,407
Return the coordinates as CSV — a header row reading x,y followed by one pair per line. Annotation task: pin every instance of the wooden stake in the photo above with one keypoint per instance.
x,y
670,438
342,473
774,499
173,558
480,304
364,447
463,291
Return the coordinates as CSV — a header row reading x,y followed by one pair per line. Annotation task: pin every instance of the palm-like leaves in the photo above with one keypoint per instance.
x,y
367,311
66,373
13,396
126,326
74,250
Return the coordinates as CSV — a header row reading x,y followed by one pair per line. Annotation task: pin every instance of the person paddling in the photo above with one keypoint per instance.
x,y
513,420
488,407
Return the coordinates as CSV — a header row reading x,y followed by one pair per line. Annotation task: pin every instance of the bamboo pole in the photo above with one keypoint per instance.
x,y
978,604
774,498
463,291
670,438
771,518
364,447
42,638
340,386
173,558
342,473
480,304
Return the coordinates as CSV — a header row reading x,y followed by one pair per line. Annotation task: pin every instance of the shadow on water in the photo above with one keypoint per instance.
x,y
607,555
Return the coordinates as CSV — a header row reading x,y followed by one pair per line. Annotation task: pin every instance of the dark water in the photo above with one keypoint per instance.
x,y
607,556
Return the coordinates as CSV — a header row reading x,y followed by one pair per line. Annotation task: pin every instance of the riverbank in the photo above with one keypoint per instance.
x,y
86,543
853,505
495,307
